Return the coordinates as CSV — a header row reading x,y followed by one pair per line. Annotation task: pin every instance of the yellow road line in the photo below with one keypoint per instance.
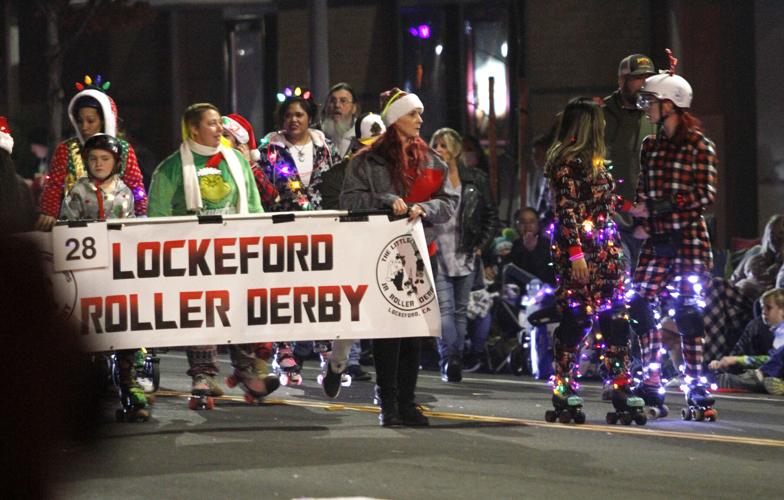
x,y
465,417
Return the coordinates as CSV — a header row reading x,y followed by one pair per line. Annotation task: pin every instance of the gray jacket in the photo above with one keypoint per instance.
x,y
368,185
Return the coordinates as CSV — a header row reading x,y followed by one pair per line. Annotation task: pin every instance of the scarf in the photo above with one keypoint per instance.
x,y
190,179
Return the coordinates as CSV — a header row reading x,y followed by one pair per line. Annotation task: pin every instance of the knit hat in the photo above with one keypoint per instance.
x,y
6,141
242,131
396,103
95,92
636,65
368,128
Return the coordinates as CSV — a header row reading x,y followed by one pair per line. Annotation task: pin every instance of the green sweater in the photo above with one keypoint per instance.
x,y
219,194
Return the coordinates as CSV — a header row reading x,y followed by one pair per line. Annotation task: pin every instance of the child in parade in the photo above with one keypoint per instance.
x,y
102,195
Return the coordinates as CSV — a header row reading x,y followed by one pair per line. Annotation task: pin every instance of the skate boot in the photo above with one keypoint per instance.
x,y
203,391
134,404
567,403
286,366
653,396
254,381
699,402
628,406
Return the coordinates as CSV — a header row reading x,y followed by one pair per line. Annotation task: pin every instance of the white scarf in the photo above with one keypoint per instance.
x,y
191,181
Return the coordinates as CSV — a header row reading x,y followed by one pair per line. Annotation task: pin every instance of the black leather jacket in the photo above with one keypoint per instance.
x,y
478,215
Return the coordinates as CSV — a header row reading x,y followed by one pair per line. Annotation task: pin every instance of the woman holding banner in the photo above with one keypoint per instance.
x,y
207,177
399,172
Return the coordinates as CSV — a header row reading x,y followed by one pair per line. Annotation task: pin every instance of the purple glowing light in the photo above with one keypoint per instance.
x,y
424,31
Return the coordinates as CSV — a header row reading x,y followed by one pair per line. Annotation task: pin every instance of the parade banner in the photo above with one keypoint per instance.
x,y
238,279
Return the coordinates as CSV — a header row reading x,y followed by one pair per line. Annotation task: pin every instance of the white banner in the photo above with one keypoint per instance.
x,y
178,282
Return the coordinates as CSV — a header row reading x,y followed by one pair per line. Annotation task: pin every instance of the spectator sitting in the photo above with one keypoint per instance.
x,y
730,302
531,251
763,372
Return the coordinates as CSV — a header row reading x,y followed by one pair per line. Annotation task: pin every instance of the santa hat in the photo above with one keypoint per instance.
x,y
6,141
90,94
396,103
241,129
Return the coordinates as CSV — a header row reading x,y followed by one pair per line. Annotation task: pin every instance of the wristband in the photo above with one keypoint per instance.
x,y
577,256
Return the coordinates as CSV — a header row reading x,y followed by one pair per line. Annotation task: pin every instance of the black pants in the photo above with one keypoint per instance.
x,y
397,365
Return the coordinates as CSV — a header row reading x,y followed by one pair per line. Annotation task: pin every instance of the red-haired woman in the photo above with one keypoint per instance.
x,y
399,171
677,182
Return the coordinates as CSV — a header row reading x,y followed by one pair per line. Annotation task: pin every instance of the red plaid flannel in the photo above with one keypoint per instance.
x,y
684,173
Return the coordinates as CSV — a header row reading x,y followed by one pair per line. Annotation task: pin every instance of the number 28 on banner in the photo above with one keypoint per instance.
x,y
85,247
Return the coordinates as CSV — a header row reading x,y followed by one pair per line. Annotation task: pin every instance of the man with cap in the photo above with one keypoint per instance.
x,y
625,129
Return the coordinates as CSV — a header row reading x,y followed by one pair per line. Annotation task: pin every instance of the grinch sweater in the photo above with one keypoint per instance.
x,y
218,189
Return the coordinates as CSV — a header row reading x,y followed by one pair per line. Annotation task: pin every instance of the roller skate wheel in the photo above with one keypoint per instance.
x,y
611,418
284,379
550,416
192,403
686,414
250,399
626,419
297,379
231,381
652,412
345,380
579,417
564,417
699,415
320,378
640,419
210,403
150,399
711,415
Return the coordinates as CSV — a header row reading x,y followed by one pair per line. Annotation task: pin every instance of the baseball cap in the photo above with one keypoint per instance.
x,y
636,65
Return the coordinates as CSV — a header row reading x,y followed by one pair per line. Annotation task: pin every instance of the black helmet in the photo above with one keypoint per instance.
x,y
105,142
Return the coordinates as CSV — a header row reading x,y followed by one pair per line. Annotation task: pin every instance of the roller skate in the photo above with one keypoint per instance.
x,y
254,381
653,396
133,402
203,391
567,403
628,406
699,402
286,366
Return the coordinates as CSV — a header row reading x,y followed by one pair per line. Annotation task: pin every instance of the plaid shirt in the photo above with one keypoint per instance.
x,y
685,174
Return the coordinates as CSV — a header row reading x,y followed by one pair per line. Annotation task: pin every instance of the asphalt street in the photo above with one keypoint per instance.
x,y
488,439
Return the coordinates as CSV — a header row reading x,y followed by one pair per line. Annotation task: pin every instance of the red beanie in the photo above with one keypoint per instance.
x,y
241,129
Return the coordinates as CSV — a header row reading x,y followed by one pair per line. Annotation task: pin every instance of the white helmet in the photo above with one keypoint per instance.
x,y
667,86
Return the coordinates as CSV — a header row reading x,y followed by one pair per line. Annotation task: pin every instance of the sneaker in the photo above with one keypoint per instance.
x,y
331,383
358,374
774,385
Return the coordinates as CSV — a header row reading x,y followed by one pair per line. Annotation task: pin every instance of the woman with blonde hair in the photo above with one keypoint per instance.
x,y
459,240
587,255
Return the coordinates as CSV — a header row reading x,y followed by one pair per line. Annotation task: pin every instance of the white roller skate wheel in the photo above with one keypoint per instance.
x,y
345,380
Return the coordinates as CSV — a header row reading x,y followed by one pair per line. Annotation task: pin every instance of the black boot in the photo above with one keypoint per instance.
x,y
412,416
390,414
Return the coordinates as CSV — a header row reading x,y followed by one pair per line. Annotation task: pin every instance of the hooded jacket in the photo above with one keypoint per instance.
x,y
67,166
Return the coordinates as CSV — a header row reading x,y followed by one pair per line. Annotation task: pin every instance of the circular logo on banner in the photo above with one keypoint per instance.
x,y
401,275
62,286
